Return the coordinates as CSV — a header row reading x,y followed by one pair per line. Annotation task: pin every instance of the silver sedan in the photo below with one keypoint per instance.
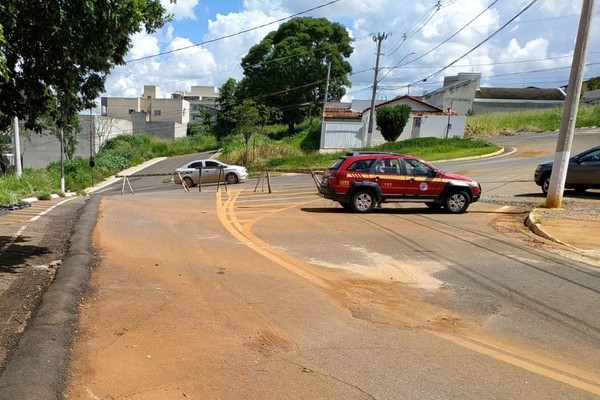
x,y
209,171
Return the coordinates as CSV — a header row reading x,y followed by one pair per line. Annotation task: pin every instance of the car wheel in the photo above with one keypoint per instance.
x,y
231,178
189,182
363,201
546,184
457,202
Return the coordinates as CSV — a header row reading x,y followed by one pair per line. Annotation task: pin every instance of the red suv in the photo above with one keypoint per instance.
x,y
359,181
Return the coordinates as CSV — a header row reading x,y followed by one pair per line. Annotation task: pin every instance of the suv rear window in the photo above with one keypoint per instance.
x,y
360,165
336,164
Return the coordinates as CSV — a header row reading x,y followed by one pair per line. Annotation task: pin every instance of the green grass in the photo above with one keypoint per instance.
x,y
116,155
272,147
430,149
506,124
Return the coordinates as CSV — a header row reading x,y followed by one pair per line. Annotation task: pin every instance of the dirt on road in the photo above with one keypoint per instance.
x,y
175,314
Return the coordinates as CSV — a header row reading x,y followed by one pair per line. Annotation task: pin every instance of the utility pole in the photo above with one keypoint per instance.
x,y
17,149
569,117
325,104
380,37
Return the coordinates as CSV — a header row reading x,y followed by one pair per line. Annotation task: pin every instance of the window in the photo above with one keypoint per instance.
x,y
157,113
360,166
196,165
212,164
417,168
591,157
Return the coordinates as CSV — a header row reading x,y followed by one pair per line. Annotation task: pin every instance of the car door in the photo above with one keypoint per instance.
x,y
193,171
421,181
389,177
585,170
211,171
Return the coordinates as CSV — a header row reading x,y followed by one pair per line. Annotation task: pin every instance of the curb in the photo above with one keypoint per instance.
x,y
38,368
490,155
538,230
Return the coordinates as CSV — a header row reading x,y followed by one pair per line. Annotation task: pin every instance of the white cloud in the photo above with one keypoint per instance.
x,y
182,9
544,33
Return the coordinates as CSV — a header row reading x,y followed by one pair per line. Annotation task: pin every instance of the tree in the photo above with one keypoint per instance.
x,y
246,117
226,100
391,120
594,83
288,68
5,139
58,53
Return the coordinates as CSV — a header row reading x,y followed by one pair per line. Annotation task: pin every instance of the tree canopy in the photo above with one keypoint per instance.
x,y
288,68
57,54
594,83
391,120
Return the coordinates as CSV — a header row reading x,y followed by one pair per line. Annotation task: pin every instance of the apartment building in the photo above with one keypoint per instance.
x,y
200,98
151,104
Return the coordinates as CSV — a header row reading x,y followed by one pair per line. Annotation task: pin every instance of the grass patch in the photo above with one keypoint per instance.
x,y
116,155
506,124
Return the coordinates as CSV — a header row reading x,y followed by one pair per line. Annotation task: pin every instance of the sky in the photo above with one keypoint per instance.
x,y
512,43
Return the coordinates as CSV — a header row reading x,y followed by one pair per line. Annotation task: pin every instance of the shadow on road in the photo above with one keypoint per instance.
x,y
17,252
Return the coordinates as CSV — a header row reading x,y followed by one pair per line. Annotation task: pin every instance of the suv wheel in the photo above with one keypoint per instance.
x,y
457,202
363,201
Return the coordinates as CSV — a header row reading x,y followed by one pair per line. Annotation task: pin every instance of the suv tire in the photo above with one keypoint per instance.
x,y
363,201
457,202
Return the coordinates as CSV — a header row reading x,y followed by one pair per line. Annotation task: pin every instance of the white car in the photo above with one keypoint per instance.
x,y
211,171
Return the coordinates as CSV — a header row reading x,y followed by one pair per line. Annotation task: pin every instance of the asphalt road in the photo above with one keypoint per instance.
x,y
240,293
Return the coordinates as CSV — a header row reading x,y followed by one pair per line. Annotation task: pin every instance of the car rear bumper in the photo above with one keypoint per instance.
x,y
327,192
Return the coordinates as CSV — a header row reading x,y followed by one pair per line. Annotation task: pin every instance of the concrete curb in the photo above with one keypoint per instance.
x,y
494,154
39,366
538,230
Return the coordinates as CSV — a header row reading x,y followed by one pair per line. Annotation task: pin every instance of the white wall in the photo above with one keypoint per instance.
x,y
336,135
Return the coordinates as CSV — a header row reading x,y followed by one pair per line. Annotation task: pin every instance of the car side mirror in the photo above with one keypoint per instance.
x,y
434,173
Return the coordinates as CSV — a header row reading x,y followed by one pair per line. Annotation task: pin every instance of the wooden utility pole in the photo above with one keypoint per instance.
x,y
380,37
569,117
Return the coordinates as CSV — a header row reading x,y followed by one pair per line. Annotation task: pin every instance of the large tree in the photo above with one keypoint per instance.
x,y
288,68
57,54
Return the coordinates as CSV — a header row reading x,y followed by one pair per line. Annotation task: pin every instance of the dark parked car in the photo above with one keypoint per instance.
x,y
583,172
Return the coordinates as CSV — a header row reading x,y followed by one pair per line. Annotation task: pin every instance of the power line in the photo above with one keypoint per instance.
x,y
482,42
234,34
443,42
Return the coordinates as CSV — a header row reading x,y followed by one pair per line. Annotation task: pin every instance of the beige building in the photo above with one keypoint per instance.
x,y
200,98
155,108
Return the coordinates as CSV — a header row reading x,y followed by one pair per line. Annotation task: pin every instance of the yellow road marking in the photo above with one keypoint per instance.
x,y
242,230
518,361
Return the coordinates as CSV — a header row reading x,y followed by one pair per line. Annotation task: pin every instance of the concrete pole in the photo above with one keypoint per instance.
x,y
17,149
62,162
323,127
569,117
379,38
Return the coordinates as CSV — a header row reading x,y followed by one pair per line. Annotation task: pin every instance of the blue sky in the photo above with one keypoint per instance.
x,y
425,36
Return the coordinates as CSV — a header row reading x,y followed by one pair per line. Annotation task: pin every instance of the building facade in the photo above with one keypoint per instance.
x,y
200,98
